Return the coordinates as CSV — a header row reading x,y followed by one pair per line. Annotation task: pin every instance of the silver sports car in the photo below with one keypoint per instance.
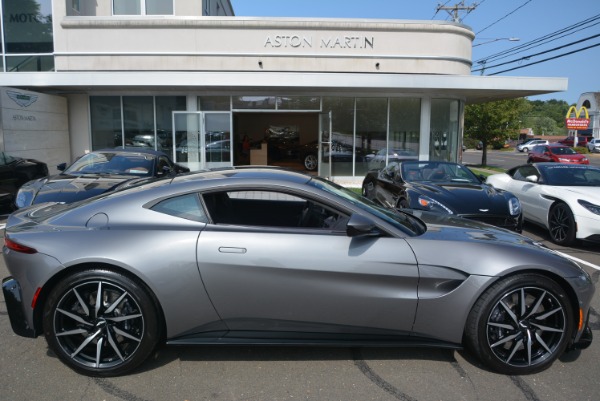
x,y
266,256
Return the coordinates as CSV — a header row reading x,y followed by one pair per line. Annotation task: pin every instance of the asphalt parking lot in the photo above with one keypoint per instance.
x,y
29,371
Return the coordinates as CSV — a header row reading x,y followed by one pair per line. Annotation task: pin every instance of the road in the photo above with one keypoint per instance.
x,y
507,159
29,371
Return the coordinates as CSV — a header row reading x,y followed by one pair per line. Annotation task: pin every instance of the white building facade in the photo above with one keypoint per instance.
x,y
191,79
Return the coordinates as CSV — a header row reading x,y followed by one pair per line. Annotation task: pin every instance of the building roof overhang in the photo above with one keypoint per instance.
x,y
471,88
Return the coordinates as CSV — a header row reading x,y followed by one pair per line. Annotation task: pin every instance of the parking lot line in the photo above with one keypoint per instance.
x,y
593,266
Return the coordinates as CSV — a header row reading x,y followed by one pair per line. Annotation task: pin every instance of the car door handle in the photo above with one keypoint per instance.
x,y
228,249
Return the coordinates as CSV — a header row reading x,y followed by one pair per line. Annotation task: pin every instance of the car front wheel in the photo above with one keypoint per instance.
x,y
100,323
561,224
311,162
521,324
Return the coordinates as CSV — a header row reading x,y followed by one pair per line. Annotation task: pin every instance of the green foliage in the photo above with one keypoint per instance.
x,y
494,122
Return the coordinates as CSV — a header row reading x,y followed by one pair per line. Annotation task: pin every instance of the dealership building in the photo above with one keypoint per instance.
x,y
190,78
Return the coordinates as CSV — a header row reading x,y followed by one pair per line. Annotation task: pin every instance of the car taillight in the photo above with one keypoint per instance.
x,y
14,246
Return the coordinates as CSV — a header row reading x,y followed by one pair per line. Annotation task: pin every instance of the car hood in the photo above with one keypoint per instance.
x,y
484,249
464,198
68,188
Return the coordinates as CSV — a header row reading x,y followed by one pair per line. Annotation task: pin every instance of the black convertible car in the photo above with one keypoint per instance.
x,y
442,187
95,173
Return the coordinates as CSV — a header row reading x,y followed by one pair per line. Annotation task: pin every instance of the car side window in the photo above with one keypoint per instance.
x,y
271,209
186,206
525,171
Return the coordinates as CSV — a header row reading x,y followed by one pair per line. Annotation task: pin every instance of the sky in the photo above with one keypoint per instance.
x,y
493,22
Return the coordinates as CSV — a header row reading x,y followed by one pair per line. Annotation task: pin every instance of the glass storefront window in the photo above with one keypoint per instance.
x,y
28,26
405,129
105,115
138,121
371,133
443,141
342,134
165,105
214,103
298,103
254,102
140,113
159,7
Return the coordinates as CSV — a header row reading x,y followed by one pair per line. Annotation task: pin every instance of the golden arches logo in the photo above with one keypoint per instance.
x,y
573,109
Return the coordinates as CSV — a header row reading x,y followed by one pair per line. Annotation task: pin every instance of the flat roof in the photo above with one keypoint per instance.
x,y
474,89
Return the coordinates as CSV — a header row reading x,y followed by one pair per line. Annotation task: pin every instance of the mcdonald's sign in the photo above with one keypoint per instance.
x,y
577,123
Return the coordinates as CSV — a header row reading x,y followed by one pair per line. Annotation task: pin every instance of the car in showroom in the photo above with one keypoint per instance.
x,y
570,141
378,160
556,153
562,198
442,187
95,173
525,146
267,256
594,145
14,172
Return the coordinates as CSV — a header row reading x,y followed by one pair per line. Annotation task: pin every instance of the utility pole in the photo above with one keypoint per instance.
x,y
453,11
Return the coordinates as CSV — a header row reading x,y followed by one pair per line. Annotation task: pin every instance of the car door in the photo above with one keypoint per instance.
x,y
535,207
279,277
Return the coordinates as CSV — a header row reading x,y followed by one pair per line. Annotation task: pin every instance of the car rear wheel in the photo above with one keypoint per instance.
x,y
520,325
525,150
100,323
311,162
561,224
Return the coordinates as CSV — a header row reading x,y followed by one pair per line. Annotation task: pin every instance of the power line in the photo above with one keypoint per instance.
x,y
542,40
500,19
548,59
537,54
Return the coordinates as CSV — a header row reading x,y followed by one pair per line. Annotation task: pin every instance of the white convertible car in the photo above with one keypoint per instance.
x,y
563,198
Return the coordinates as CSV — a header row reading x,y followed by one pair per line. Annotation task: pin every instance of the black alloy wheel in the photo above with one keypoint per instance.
x,y
100,323
561,224
521,324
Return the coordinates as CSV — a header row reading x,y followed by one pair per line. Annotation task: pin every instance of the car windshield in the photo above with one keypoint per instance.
x,y
571,175
437,171
402,221
113,163
562,150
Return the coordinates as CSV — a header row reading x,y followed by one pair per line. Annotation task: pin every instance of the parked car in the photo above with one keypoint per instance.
x,y
14,172
557,153
525,146
377,161
442,187
95,173
563,198
570,140
594,145
271,256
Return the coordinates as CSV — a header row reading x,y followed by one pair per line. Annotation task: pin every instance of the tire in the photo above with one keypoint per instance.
x,y
367,189
311,162
525,150
110,340
520,325
403,204
561,224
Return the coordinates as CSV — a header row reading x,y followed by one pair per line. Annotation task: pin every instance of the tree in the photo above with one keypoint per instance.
x,y
494,122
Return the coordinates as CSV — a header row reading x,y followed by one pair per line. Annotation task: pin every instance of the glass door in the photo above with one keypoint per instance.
x,y
202,140
325,145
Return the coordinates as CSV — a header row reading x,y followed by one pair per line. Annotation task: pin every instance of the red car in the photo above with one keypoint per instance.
x,y
568,141
556,152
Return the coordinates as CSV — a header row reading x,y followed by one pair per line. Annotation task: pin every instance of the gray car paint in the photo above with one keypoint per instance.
x,y
343,284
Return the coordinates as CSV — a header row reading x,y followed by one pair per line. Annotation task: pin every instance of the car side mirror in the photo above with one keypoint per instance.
x,y
61,167
361,226
532,178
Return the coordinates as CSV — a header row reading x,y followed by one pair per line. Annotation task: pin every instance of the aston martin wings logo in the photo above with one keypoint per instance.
x,y
22,99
